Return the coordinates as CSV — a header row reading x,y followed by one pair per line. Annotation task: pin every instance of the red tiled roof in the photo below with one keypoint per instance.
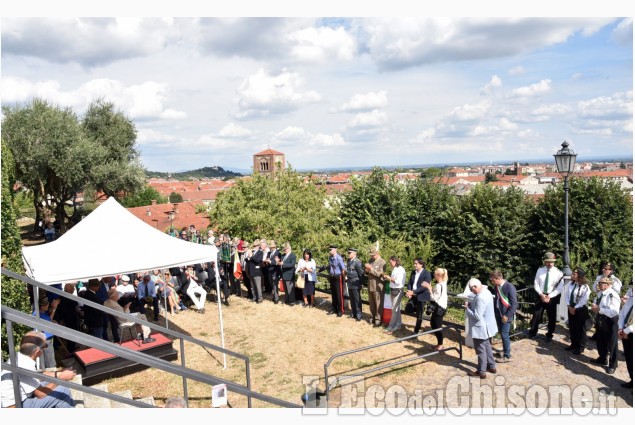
x,y
184,217
269,152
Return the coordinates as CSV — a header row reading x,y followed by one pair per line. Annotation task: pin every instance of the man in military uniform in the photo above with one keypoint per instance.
x,y
547,285
354,278
375,269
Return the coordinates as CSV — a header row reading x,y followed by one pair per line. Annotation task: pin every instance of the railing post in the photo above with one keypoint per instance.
x,y
182,345
248,377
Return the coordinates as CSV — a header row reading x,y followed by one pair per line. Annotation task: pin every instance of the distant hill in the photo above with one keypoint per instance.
x,y
205,172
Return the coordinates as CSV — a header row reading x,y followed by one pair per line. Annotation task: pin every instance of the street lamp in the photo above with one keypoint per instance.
x,y
171,215
565,163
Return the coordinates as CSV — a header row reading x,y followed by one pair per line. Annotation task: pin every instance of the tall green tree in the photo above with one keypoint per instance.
x,y
52,156
118,170
286,207
600,226
12,292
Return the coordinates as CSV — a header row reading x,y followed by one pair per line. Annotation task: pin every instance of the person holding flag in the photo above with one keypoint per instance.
x,y
505,305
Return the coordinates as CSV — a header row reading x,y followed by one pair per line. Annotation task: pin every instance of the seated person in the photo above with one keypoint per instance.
x,y
47,310
195,291
127,292
33,392
147,293
143,332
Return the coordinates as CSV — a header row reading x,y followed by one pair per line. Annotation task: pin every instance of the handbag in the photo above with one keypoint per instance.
x,y
299,282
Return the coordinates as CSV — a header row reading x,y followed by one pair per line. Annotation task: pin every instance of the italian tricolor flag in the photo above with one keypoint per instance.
x,y
386,315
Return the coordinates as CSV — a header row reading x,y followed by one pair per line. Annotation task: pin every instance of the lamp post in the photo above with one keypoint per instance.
x,y
565,163
171,217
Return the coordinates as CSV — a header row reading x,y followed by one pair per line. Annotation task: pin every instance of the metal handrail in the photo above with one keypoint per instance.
x,y
397,363
121,351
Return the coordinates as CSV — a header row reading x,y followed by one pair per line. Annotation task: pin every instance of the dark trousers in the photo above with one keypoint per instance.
x,y
552,308
436,322
356,302
607,343
627,344
114,327
256,287
155,307
267,285
275,278
419,313
337,294
289,291
576,328
248,285
235,285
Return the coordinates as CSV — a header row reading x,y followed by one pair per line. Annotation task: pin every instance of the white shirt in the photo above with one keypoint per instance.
x,y
311,277
414,285
580,294
609,303
399,276
440,294
27,384
627,325
554,286
125,289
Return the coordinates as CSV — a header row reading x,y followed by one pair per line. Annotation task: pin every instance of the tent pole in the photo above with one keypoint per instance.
x,y
220,315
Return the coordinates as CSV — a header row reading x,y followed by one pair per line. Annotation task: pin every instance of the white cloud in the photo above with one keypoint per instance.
x,y
87,41
399,43
326,140
232,130
619,106
543,86
365,102
322,44
623,33
298,136
469,112
368,119
517,70
494,83
144,101
549,111
291,134
262,94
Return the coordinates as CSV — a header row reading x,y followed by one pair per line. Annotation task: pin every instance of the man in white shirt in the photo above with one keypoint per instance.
x,y
548,286
194,289
33,393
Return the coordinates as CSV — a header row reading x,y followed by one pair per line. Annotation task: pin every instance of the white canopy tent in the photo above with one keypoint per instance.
x,y
108,242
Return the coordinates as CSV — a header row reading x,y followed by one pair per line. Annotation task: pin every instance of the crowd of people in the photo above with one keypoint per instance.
x,y
262,268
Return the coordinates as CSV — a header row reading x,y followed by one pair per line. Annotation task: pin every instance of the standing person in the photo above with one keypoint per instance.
x,y
94,318
439,299
33,392
625,333
287,269
608,270
607,309
354,280
273,269
147,293
480,313
308,268
337,272
547,285
505,306
67,314
46,311
255,269
577,296
417,289
375,270
397,281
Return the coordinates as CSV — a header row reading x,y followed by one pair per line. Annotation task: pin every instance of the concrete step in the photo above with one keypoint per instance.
x,y
149,400
118,405
96,402
78,396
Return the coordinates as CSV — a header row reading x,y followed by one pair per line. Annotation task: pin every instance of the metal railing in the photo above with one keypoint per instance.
x,y
335,380
11,315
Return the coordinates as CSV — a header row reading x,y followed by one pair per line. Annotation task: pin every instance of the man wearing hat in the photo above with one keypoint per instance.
x,y
255,268
337,272
547,285
608,270
273,270
126,290
577,295
607,309
354,279
375,270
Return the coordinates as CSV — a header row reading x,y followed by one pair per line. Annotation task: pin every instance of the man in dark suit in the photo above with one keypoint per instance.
x,y
273,269
505,305
417,290
255,268
354,280
94,318
287,270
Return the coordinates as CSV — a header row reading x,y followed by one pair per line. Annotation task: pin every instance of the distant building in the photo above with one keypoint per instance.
x,y
268,162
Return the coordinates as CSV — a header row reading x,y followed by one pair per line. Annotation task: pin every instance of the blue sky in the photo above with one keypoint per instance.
x,y
339,91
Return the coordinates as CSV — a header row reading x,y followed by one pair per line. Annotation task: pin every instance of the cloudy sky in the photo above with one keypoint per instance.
x,y
336,92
